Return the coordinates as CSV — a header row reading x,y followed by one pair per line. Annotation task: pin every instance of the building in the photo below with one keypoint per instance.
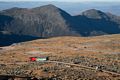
x,y
38,59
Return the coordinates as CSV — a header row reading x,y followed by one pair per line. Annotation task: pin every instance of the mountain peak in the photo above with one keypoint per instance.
x,y
15,8
49,6
95,14
50,21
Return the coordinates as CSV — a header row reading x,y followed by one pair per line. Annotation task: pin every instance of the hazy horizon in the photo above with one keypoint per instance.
x,y
71,8
63,0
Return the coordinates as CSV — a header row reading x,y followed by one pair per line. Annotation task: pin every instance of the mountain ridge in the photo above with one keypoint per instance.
x,y
51,21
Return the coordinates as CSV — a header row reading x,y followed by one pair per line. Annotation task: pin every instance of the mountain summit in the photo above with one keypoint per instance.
x,y
95,14
50,21
45,21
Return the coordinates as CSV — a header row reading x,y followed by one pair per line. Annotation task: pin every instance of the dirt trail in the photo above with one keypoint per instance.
x,y
70,64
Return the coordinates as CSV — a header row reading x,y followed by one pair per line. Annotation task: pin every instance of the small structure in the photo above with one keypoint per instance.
x,y
98,68
38,59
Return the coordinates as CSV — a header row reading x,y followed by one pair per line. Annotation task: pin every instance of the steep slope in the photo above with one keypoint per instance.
x,y
50,21
95,14
45,21
94,22
7,38
28,24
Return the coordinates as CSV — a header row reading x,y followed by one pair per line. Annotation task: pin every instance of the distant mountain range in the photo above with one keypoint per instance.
x,y
50,21
72,8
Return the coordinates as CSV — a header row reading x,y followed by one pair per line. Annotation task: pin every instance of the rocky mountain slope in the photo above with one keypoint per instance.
x,y
94,22
50,21
45,21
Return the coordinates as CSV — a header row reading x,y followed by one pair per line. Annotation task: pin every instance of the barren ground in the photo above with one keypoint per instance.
x,y
101,51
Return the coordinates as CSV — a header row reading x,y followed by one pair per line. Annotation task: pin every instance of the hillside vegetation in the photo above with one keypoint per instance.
x,y
101,51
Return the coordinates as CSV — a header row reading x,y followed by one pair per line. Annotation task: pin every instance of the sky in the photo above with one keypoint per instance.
x,y
69,0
